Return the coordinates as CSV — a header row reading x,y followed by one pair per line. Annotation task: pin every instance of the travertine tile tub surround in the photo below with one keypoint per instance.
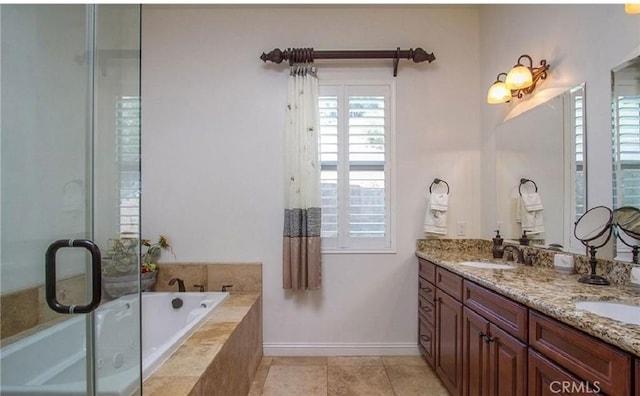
x,y
220,358
27,309
541,288
243,276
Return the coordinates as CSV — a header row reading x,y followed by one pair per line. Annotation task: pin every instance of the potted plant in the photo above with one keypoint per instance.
x,y
120,265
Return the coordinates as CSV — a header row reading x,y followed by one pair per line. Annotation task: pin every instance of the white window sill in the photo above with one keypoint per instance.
x,y
358,251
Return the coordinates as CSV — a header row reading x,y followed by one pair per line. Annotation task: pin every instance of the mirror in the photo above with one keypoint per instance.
x,y
543,145
593,229
627,229
625,105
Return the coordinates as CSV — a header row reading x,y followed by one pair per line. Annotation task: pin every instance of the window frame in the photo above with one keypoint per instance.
x,y
344,243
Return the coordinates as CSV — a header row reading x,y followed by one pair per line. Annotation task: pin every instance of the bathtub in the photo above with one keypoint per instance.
x,y
52,362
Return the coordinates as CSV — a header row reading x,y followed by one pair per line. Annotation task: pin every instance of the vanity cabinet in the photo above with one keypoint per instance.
x,y
494,361
482,343
448,353
426,311
587,357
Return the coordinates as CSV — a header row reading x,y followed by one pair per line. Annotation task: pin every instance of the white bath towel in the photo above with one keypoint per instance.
x,y
439,201
435,221
532,201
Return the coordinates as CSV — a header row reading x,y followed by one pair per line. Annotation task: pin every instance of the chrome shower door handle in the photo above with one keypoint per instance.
x,y
50,276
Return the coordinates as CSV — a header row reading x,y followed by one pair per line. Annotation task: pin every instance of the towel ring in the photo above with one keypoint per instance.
x,y
438,181
524,181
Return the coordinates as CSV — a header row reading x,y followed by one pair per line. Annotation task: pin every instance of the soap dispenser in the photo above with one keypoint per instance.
x,y
497,246
524,241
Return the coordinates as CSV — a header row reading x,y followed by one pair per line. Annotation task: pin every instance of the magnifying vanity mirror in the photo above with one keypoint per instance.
x,y
593,229
625,88
626,221
545,145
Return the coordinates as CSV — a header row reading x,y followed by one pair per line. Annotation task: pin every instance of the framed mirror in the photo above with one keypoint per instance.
x,y
545,145
625,107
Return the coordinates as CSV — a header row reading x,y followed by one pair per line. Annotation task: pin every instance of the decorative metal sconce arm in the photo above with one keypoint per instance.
x,y
537,74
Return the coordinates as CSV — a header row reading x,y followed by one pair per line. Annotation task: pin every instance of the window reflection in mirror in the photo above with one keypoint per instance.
x,y
545,144
625,105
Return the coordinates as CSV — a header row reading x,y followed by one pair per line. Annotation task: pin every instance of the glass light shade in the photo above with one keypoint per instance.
x,y
518,78
632,8
498,93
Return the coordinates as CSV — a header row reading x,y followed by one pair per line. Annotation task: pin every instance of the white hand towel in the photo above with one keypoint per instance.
x,y
439,201
435,221
531,221
532,201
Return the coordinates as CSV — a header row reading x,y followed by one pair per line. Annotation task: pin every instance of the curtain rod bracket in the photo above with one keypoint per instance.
x,y
309,54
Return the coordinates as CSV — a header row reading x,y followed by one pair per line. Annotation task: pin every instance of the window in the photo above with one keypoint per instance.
x,y
578,129
626,177
128,159
356,160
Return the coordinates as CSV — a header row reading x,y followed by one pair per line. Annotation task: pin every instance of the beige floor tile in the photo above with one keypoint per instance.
x,y
299,361
404,360
296,381
352,380
354,361
261,376
414,380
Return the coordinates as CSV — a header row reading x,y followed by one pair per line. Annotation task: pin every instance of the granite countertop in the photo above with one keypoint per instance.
x,y
548,292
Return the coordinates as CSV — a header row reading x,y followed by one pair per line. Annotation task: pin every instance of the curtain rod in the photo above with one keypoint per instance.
x,y
305,55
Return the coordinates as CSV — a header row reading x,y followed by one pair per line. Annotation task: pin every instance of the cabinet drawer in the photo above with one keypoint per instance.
x,y
547,378
427,289
426,309
449,283
585,356
427,270
507,314
426,341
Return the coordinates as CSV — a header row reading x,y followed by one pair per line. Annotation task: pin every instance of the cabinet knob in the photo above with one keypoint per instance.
x,y
425,338
427,289
482,335
488,339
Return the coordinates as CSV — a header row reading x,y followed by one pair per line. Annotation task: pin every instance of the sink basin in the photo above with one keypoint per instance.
x,y
481,264
625,313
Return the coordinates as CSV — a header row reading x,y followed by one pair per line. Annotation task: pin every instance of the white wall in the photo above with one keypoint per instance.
x,y
213,123
581,43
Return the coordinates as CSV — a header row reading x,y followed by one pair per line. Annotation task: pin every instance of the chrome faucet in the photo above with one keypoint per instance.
x,y
181,288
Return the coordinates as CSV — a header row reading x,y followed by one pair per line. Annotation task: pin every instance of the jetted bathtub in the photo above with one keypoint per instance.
x,y
52,362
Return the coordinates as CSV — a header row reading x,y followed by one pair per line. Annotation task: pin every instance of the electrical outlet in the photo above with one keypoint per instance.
x,y
462,228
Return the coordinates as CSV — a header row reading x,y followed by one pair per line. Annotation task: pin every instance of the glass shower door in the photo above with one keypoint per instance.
x,y
69,144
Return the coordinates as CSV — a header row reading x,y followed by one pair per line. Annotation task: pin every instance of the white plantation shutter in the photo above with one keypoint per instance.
x,y
626,177
580,197
128,159
355,146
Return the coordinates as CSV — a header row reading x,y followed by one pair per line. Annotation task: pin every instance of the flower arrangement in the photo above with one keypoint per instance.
x,y
121,256
153,253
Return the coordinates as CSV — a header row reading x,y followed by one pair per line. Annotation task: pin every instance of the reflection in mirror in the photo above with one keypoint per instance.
x,y
593,229
625,88
546,145
627,228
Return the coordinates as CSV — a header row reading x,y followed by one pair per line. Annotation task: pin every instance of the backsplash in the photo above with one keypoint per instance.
x,y
617,272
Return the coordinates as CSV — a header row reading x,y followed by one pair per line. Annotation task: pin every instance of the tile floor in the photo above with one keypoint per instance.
x,y
353,375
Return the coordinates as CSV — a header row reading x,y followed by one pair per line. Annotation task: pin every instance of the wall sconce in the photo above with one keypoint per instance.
x,y
632,8
520,80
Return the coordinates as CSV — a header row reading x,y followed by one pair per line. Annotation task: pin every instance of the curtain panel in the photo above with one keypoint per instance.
x,y
302,213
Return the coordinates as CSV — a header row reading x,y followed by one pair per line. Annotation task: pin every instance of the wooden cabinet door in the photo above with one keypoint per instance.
x,y
507,363
546,378
449,342
475,354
